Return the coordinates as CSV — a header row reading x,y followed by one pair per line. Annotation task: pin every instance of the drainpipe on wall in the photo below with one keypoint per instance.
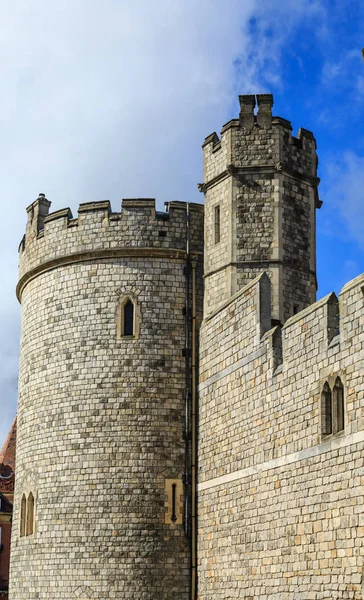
x,y
187,391
190,429
194,432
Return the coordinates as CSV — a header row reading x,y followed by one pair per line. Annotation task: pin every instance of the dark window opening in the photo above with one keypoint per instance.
x,y
129,318
23,510
326,410
30,515
333,408
174,490
339,404
217,224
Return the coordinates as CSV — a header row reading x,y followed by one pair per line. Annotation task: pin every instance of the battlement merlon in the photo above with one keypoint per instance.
x,y
138,230
37,211
260,141
328,328
253,305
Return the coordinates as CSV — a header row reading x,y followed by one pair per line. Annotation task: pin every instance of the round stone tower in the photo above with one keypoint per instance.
x,y
103,448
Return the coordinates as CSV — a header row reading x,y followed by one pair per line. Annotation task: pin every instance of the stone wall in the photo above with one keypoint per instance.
x,y
218,283
280,504
100,418
264,181
51,238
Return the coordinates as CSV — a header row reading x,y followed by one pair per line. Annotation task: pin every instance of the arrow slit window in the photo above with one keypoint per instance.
x,y
127,317
217,223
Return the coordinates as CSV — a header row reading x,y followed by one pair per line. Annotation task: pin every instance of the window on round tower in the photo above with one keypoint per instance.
x,y
129,318
23,511
30,515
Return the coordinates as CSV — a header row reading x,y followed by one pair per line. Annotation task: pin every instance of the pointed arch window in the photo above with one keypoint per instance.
x,y
339,405
332,408
326,410
30,515
128,318
23,512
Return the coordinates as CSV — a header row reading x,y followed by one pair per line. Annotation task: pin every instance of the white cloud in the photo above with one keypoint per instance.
x,y
343,75
345,192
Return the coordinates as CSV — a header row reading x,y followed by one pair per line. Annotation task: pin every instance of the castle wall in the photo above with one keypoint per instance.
x,y
100,421
280,504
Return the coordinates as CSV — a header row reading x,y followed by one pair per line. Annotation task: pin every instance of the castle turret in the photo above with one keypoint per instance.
x,y
102,472
260,186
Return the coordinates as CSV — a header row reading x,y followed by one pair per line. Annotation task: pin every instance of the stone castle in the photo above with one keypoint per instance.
x,y
190,420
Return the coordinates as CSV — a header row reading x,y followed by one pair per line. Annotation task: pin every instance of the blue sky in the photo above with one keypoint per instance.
x,y
113,99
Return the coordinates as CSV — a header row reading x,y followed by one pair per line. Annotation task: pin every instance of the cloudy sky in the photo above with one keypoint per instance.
x,y
105,99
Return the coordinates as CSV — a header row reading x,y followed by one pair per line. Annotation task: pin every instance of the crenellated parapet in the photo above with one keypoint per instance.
x,y
260,183
97,232
281,423
108,301
284,366
259,141
317,330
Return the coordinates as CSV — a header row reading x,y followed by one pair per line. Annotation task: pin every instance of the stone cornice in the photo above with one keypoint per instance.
x,y
241,172
258,263
109,253
285,460
203,187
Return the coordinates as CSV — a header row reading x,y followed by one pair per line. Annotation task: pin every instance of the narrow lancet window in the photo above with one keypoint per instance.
x,y
326,410
129,318
174,492
23,511
30,515
174,502
339,404
217,224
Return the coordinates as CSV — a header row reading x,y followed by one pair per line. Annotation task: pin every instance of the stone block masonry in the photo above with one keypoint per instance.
x,y
110,359
281,410
264,182
280,504
100,422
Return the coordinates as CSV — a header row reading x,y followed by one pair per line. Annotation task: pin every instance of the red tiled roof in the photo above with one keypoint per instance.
x,y
7,453
7,479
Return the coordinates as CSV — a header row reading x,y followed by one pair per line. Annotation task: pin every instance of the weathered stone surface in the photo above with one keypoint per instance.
x,y
100,422
280,504
264,181
100,426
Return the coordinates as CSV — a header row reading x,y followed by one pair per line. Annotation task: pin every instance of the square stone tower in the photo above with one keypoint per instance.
x,y
260,186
